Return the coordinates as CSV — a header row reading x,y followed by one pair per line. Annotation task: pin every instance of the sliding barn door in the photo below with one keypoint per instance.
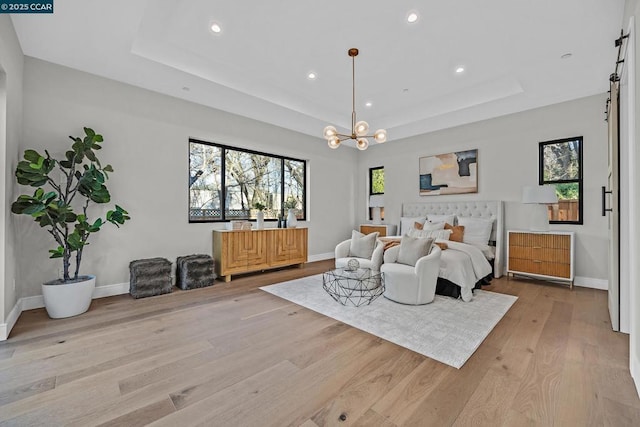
x,y
613,208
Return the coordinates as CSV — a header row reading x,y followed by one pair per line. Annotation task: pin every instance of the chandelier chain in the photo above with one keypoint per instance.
x,y
353,96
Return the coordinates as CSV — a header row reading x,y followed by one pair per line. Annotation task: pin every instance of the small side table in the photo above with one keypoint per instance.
x,y
353,287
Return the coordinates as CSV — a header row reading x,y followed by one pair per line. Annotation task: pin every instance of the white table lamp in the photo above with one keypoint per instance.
x,y
539,196
376,201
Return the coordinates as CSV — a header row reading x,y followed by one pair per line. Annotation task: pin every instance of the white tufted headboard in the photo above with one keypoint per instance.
x,y
477,209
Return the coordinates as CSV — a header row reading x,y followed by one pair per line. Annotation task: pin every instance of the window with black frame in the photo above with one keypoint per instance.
x,y
376,189
560,165
229,183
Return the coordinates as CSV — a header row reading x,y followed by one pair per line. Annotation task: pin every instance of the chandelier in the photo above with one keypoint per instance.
x,y
358,129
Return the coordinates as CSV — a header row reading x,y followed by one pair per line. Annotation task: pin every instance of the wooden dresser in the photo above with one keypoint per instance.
x,y
242,251
383,229
543,255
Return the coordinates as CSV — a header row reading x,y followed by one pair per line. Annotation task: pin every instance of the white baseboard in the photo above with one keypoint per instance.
x,y
30,303
111,290
5,328
589,282
321,257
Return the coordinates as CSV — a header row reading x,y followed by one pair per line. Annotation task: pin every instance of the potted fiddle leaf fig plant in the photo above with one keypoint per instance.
x,y
65,188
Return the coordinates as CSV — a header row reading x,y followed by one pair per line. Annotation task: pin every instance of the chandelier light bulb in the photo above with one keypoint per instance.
x,y
380,136
362,128
362,143
330,132
333,142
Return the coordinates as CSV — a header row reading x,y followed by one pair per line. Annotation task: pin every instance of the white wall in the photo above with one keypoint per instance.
x,y
507,160
146,140
11,66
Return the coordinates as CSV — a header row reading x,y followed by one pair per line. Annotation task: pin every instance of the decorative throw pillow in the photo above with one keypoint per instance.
x,y
476,230
441,234
362,245
412,249
434,234
407,222
457,232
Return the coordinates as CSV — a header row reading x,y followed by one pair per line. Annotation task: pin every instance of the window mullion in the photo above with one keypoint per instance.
x,y
282,187
223,184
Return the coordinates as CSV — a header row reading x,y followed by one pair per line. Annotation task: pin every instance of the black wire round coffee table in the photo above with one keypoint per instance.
x,y
356,287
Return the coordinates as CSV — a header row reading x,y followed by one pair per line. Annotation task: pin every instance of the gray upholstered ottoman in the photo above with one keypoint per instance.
x,y
149,277
194,271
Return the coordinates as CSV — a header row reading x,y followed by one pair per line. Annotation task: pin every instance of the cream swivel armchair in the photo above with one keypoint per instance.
x,y
409,284
367,249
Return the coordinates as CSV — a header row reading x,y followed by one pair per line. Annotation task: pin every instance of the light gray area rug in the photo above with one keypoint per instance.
x,y
447,330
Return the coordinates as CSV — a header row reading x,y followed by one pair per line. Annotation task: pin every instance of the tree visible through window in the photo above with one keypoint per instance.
x,y
561,167
231,189
376,186
377,180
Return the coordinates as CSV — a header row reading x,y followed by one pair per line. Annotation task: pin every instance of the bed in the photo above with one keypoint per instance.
x,y
464,265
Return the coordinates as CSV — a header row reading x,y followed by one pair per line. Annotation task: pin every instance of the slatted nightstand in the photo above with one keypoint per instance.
x,y
545,255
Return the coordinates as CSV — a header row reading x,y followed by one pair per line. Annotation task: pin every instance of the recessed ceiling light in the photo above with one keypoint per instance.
x,y
312,76
566,56
215,27
412,17
368,104
459,70
186,88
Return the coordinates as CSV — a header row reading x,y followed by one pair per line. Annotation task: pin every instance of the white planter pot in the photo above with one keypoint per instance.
x,y
292,221
68,299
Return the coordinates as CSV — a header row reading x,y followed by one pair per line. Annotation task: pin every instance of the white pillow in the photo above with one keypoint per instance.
x,y
412,249
476,230
433,234
450,219
430,226
362,245
407,222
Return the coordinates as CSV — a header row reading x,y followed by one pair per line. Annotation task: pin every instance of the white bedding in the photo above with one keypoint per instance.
x,y
488,251
463,265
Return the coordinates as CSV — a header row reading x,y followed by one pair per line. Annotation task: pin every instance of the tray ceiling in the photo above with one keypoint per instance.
x,y
257,66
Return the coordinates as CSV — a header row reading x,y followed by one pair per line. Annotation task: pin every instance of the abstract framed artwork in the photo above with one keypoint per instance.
x,y
451,173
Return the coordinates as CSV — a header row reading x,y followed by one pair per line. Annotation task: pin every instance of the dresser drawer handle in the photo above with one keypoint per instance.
x,y
537,247
537,261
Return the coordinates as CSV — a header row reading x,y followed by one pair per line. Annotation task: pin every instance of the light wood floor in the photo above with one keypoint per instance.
x,y
234,355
